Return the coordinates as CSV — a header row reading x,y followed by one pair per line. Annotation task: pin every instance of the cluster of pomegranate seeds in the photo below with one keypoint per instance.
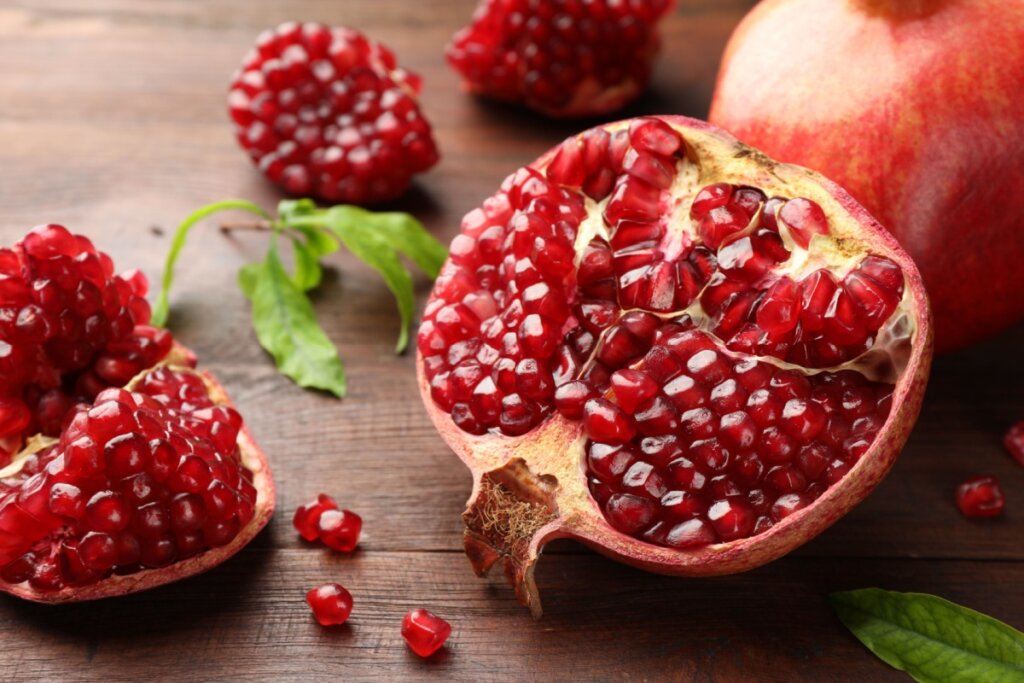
x,y
693,445
321,520
138,480
331,604
980,496
706,339
425,632
328,112
559,57
1014,442
69,328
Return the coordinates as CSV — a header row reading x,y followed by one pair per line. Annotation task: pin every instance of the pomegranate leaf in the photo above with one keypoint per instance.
x,y
404,233
932,639
286,326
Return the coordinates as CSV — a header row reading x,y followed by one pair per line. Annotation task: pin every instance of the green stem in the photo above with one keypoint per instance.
x,y
161,308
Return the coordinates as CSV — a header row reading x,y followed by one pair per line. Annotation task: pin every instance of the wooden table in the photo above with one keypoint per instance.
x,y
112,122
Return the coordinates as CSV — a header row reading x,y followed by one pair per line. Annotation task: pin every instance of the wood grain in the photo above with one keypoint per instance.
x,y
112,122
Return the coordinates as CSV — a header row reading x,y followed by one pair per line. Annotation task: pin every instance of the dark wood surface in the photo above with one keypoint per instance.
x,y
112,122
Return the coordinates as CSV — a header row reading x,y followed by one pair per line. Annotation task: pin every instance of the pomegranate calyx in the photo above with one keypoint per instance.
x,y
511,515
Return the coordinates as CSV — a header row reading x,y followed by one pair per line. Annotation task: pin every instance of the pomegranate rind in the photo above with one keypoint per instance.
x,y
253,459
545,470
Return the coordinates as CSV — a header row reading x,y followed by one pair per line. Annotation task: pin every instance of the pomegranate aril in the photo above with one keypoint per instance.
x,y
331,604
1014,442
980,496
339,529
804,218
692,533
731,519
629,513
605,422
425,632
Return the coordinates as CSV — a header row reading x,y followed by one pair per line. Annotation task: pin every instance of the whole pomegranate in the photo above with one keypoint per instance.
x,y
916,108
660,342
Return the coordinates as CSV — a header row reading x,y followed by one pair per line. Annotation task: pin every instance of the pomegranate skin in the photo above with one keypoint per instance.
x,y
531,489
915,109
253,458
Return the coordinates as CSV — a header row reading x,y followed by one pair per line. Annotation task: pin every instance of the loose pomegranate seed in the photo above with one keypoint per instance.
x,y
331,604
307,517
339,529
980,497
424,632
1014,442
328,112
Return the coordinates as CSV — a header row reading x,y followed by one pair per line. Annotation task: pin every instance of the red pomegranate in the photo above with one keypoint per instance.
x,y
916,109
150,484
660,342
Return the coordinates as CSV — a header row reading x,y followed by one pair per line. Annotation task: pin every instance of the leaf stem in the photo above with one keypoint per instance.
x,y
161,308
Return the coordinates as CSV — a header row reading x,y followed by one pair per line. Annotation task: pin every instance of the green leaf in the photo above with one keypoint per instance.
x,y
161,308
286,326
933,640
375,251
307,266
400,230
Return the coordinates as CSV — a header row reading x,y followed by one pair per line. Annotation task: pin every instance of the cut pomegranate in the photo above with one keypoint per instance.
x,y
1014,442
69,328
331,604
693,370
562,58
148,485
327,112
980,497
425,632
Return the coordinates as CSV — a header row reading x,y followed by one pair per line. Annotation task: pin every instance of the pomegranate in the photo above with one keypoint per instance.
x,y
662,343
916,109
150,484
562,58
331,604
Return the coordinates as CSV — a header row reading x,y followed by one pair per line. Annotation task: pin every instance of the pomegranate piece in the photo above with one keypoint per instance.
x,y
980,496
715,380
339,529
425,632
561,58
327,112
307,517
1014,442
149,484
806,101
69,328
331,604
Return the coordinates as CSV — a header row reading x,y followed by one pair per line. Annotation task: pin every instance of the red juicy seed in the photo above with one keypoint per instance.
x,y
980,497
339,529
721,222
690,534
710,197
631,388
571,397
605,422
98,552
804,218
872,301
425,632
331,604
67,500
731,519
1014,442
786,505
107,511
629,513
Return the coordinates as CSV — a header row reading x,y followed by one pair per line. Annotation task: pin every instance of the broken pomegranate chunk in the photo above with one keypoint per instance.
x,y
661,342
980,496
425,632
148,484
331,604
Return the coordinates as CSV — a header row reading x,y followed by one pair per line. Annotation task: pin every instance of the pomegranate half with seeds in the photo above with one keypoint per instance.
x,y
150,484
661,343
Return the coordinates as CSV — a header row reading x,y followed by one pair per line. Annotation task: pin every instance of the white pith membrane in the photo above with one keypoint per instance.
x,y
126,580
532,488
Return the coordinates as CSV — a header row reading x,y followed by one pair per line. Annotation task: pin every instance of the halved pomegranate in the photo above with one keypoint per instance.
x,y
152,483
662,343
